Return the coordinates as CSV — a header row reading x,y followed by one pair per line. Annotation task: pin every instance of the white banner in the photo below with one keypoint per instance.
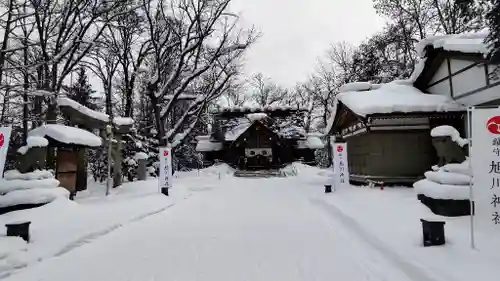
x,y
165,180
340,165
4,146
485,161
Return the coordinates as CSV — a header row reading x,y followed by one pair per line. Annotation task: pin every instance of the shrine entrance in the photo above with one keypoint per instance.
x,y
257,148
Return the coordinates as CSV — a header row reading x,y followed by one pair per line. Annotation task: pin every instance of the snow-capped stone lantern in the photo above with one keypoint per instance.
x,y
142,171
33,154
450,147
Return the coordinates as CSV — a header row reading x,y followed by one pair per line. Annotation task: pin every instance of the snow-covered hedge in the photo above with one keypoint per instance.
x,y
37,187
451,181
441,191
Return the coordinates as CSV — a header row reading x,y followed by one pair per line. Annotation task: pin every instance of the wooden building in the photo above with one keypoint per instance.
x,y
258,138
69,144
387,127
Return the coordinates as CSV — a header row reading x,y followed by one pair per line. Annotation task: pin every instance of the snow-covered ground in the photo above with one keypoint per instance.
x,y
64,225
246,229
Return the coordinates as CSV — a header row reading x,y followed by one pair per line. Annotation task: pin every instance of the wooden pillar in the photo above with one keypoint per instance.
x,y
142,169
81,172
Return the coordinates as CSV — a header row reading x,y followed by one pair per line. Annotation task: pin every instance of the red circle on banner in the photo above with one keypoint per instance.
x,y
340,148
165,153
2,140
493,125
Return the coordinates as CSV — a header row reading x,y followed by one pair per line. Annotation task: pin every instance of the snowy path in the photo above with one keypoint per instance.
x,y
245,229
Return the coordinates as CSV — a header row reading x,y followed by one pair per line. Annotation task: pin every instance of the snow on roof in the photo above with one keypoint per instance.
x,y
449,131
40,93
66,134
291,130
312,142
465,43
256,116
235,132
396,97
119,121
206,145
33,141
358,86
204,137
258,108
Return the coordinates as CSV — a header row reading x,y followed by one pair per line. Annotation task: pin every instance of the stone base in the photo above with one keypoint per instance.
x,y
446,207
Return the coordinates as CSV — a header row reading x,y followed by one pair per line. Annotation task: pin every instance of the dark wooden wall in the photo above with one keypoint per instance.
x,y
396,156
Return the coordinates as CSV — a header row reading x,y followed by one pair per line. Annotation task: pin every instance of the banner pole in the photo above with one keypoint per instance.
x,y
471,193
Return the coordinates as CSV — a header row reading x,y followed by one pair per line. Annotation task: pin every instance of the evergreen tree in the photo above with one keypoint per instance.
x,y
493,18
82,91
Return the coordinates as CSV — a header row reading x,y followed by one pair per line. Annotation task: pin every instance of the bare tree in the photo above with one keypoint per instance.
x,y
265,92
63,35
188,38
133,47
340,56
236,94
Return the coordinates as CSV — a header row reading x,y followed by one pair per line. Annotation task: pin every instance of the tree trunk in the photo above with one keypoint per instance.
x,y
117,157
129,109
5,41
160,125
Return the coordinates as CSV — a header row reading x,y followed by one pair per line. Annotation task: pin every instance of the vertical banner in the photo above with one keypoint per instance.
x,y
340,165
485,164
165,180
4,146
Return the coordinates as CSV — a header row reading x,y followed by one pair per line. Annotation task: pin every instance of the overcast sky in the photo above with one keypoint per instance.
x,y
297,32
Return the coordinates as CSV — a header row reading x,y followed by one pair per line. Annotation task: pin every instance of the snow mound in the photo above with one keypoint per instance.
x,y
441,191
452,181
38,187
449,131
312,142
222,169
298,168
35,175
459,168
7,186
443,177
32,196
67,134
358,86
289,170
396,97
